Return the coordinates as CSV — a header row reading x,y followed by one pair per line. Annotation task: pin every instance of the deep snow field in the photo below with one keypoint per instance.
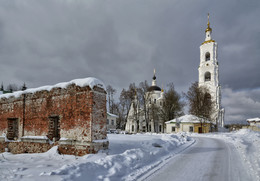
x,y
128,158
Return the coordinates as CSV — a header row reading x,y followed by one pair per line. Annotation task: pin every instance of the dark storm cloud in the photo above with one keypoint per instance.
x,y
119,42
241,105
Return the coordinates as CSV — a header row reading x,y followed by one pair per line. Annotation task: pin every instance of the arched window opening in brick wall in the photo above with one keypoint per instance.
x,y
54,128
12,130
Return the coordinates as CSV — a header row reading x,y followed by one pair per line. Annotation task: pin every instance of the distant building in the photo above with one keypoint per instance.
x,y
188,123
254,122
71,115
111,121
136,119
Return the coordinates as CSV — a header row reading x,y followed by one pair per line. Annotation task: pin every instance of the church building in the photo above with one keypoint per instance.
x,y
146,118
209,75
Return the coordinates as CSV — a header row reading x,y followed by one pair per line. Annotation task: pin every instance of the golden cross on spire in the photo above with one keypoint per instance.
x,y
162,88
208,28
208,20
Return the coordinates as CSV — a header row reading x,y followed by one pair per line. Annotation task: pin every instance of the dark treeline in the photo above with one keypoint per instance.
x,y
12,88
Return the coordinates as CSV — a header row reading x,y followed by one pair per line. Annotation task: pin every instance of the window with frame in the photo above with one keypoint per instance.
x,y
173,128
107,121
191,129
112,122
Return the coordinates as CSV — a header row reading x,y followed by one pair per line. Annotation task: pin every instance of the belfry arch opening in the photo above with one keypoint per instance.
x,y
207,56
207,76
208,97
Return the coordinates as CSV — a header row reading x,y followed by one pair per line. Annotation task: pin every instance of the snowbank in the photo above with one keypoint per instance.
x,y
129,157
90,81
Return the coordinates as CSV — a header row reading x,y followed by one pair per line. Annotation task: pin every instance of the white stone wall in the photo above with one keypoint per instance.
x,y
169,128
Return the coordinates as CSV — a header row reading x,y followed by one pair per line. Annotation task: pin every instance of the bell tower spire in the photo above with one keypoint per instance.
x,y
208,32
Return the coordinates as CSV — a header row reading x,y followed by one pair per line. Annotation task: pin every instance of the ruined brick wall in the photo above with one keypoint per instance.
x,y
99,116
81,112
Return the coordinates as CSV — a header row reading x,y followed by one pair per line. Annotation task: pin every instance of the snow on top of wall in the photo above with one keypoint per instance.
x,y
36,137
112,115
90,81
253,120
186,119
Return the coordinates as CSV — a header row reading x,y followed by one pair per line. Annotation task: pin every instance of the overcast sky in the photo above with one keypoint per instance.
x,y
43,42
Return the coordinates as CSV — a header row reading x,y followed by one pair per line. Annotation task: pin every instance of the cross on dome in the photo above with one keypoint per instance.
x,y
154,77
208,28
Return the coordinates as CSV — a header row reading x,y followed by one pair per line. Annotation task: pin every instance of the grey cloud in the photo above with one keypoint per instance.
x,y
241,105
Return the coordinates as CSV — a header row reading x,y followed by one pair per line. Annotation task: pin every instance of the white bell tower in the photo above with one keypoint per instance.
x,y
208,74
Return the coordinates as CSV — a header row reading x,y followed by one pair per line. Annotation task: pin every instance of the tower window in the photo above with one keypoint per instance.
x,y
207,56
207,76
208,97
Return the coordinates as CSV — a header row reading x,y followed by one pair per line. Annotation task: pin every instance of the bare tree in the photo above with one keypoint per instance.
x,y
125,100
12,87
144,100
172,106
110,93
200,103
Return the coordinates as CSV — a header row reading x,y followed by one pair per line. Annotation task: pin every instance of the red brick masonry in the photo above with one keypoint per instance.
x,y
70,115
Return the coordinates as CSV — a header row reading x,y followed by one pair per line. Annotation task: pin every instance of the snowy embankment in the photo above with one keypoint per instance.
x,y
247,143
129,157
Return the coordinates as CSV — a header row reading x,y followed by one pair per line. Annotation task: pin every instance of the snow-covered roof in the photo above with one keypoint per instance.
x,y
112,115
186,119
253,120
90,81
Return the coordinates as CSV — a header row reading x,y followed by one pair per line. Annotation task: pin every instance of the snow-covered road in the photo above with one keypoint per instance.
x,y
208,159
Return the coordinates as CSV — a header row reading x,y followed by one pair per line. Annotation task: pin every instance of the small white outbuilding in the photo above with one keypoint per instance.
x,y
254,122
111,121
188,123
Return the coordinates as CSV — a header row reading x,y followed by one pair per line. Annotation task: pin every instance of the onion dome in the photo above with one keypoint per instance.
x,y
154,87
